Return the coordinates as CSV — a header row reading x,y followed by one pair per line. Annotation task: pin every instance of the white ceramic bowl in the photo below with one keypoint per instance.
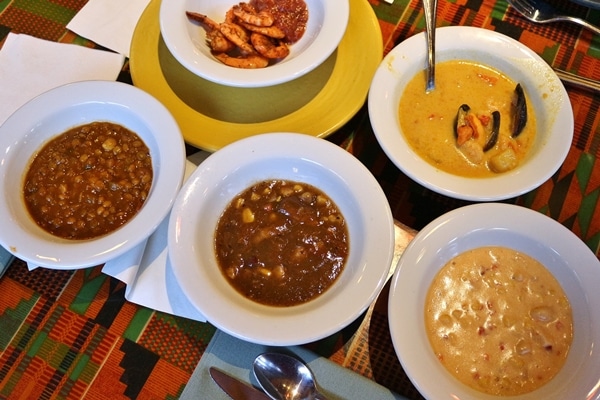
x,y
327,21
546,93
291,156
53,113
571,262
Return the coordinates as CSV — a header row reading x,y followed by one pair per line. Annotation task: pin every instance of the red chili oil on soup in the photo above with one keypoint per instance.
x,y
88,181
281,243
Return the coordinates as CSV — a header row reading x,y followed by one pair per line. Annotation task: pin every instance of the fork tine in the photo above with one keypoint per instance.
x,y
523,5
540,11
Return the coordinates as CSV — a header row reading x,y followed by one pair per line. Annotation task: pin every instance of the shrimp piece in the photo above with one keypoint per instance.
x,y
270,31
250,61
230,16
203,19
268,47
214,38
218,42
247,14
238,36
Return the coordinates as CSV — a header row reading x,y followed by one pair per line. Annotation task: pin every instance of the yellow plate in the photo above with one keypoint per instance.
x,y
211,116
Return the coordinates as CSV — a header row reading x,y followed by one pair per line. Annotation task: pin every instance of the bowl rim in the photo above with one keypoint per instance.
x,y
39,247
459,42
574,264
281,156
174,29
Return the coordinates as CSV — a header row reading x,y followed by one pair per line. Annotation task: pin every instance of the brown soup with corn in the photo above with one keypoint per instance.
x,y
88,181
281,243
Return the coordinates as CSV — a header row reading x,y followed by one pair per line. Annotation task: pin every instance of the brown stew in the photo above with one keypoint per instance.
x,y
281,243
88,181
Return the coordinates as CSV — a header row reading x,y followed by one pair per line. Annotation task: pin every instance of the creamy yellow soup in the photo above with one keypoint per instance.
x,y
499,321
428,119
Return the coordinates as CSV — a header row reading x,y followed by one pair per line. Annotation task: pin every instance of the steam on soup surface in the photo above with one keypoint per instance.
x,y
499,321
429,120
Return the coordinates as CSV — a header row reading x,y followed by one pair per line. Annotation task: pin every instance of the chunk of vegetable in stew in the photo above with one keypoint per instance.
x,y
281,243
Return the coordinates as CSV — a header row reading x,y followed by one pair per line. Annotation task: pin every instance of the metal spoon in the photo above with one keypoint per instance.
x,y
284,377
430,7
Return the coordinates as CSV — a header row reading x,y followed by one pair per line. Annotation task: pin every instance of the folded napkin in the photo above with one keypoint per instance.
x,y
31,66
148,273
109,23
235,357
147,269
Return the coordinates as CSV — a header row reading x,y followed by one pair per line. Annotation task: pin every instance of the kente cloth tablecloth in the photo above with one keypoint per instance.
x,y
71,334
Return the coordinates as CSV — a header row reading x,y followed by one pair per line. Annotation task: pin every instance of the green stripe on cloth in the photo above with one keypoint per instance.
x,y
11,320
88,292
51,10
389,12
137,324
4,4
80,369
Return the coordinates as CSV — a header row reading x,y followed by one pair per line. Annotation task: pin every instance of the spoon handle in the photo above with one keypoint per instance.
x,y
430,7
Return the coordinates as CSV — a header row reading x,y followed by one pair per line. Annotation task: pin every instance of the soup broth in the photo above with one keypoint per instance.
x,y
498,321
282,243
428,119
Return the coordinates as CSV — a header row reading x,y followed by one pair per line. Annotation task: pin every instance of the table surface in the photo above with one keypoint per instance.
x,y
69,334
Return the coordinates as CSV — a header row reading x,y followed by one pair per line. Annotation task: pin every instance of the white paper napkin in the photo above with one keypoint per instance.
x,y
109,23
149,276
30,66
147,269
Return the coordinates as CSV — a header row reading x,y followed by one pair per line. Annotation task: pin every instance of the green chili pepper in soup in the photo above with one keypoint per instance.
x,y
88,181
281,243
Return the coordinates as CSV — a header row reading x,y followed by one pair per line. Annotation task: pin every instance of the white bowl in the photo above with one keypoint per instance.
x,y
491,224
327,21
546,93
53,113
291,156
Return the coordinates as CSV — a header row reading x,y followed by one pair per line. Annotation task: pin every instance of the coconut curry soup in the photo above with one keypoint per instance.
x,y
476,123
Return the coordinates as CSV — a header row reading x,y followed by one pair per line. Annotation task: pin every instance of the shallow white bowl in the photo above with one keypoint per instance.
x,y
291,156
546,93
327,21
53,113
564,254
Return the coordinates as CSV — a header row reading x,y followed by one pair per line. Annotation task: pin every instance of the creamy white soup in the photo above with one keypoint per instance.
x,y
499,321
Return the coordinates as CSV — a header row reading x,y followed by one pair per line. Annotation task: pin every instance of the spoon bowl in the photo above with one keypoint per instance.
x,y
284,377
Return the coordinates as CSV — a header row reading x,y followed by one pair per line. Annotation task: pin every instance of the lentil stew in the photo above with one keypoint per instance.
x,y
88,181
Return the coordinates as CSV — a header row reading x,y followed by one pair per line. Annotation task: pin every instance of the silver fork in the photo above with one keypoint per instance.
x,y
542,12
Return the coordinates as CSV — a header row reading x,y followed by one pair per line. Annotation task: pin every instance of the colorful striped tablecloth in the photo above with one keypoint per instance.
x,y
71,334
